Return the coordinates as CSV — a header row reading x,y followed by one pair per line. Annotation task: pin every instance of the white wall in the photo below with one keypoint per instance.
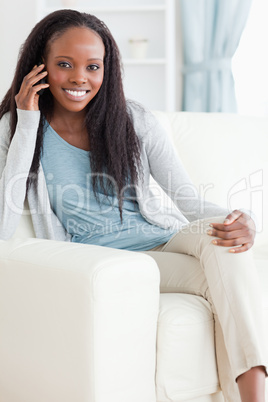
x,y
17,19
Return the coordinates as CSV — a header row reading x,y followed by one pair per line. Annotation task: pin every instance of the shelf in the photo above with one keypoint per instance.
x,y
147,61
99,10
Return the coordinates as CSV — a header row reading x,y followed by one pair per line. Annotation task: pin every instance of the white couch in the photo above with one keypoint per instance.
x,y
82,323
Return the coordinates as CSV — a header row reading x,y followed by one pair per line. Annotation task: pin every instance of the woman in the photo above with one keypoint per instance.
x,y
83,156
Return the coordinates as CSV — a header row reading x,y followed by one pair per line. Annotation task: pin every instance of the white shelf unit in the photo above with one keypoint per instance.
x,y
151,80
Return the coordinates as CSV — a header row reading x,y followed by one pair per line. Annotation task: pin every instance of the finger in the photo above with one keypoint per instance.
x,y
236,225
243,220
34,92
30,101
230,243
33,80
38,87
233,216
29,88
37,68
241,249
228,235
35,71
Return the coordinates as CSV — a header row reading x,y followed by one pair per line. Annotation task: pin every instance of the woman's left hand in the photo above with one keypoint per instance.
x,y
238,229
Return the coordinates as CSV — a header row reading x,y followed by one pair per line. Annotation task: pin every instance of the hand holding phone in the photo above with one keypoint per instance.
x,y
28,95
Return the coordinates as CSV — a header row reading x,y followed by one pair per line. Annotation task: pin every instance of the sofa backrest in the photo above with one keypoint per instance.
x,y
25,228
226,156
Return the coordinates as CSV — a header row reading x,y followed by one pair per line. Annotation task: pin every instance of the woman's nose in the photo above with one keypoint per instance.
x,y
78,77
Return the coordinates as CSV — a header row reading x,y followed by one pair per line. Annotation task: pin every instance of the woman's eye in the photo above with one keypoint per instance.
x,y
64,64
93,67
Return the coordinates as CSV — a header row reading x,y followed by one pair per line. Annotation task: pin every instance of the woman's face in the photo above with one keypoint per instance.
x,y
75,67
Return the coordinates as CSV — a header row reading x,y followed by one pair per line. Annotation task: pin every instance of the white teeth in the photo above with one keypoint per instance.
x,y
76,93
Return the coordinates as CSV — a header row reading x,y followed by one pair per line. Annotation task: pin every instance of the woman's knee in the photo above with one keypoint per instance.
x,y
193,237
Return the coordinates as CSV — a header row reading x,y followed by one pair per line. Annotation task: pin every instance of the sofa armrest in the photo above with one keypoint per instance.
x,y
77,323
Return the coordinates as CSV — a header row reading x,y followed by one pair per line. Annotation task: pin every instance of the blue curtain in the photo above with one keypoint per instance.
x,y
211,30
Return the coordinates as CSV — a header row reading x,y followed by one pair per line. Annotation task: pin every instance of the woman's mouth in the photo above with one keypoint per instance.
x,y
76,94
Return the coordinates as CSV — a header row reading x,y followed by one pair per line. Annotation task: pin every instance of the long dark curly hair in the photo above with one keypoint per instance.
x,y
114,145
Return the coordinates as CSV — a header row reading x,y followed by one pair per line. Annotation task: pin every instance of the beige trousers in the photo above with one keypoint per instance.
x,y
230,283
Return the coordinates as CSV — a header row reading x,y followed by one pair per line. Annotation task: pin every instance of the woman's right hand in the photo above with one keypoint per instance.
x,y
27,98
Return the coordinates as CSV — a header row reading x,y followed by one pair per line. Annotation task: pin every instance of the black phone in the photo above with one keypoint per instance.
x,y
42,81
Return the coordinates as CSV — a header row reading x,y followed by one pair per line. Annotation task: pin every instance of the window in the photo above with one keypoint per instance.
x,y
250,63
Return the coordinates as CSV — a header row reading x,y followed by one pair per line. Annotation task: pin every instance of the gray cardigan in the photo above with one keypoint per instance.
x,y
158,157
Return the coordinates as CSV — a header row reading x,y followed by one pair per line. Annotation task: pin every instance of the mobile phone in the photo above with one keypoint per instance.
x,y
42,81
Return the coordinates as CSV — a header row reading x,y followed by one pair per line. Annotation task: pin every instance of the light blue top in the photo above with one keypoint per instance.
x,y
159,159
68,177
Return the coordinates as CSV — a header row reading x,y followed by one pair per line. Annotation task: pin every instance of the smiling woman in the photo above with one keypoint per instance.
x,y
79,100
74,63
75,67
83,157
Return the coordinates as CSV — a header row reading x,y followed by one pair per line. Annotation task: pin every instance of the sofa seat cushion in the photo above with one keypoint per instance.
x,y
186,363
